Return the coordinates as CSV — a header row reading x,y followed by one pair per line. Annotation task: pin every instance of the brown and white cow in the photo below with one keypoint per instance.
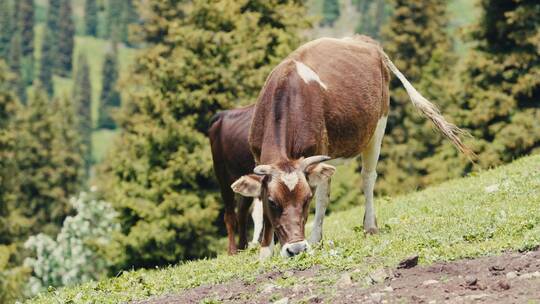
x,y
232,158
328,99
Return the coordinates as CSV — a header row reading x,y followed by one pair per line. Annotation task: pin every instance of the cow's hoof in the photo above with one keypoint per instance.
x,y
253,244
371,231
265,253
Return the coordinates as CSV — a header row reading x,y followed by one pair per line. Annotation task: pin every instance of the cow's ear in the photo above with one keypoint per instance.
x,y
318,173
248,185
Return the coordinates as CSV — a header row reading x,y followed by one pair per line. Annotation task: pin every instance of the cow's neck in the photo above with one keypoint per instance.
x,y
291,131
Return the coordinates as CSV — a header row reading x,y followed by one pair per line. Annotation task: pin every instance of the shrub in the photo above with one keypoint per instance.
x,y
74,256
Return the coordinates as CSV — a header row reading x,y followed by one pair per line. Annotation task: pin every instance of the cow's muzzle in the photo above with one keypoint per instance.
x,y
292,249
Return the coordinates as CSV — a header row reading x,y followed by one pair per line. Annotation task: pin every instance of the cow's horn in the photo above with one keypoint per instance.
x,y
263,169
306,162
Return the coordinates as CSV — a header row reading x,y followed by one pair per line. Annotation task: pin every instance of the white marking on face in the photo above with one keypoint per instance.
x,y
307,74
290,180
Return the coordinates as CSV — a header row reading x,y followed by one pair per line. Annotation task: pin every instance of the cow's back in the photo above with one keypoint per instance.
x,y
229,142
344,89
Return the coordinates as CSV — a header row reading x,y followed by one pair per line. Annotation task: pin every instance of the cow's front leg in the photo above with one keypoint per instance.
x,y
267,242
370,157
322,197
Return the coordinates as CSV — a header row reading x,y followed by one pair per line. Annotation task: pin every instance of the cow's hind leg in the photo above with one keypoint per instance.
x,y
322,197
370,157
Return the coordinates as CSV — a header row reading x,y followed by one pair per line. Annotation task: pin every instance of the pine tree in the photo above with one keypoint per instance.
x,y
47,61
330,12
26,27
416,40
15,63
159,174
114,19
91,17
66,39
12,276
8,168
500,90
110,97
48,176
373,14
52,34
6,28
82,96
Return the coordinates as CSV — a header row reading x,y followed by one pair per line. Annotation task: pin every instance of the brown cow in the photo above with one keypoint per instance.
x,y
232,158
329,97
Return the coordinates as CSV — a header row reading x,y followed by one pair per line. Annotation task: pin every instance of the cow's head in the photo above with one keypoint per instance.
x,y
286,189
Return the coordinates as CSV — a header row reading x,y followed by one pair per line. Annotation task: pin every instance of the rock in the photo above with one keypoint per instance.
x,y
376,297
496,267
492,188
344,281
408,262
471,280
430,282
282,301
388,289
268,288
379,275
477,296
503,284
530,275
288,274
527,276
432,302
511,275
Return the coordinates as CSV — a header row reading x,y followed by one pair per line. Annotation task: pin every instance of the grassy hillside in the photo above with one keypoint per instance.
x,y
479,215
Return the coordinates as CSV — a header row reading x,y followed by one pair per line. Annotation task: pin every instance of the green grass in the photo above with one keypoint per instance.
x,y
101,141
454,220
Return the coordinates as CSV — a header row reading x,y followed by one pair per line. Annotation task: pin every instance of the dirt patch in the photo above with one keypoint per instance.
x,y
508,278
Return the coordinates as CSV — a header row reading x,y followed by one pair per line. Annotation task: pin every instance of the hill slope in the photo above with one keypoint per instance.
x,y
486,214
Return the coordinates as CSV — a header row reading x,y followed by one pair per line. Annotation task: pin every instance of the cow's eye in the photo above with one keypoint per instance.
x,y
273,204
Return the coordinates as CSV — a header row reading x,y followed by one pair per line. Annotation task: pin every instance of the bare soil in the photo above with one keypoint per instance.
x,y
508,278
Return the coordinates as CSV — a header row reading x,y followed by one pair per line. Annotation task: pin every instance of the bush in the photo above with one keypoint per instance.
x,y
75,256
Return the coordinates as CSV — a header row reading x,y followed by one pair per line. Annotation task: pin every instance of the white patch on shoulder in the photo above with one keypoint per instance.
x,y
308,74
290,180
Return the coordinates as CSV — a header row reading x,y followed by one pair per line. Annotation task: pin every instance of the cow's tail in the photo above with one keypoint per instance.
x,y
430,110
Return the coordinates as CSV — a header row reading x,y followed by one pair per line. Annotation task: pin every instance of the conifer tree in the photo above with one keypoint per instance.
x,y
15,62
110,97
47,178
91,17
47,61
8,168
416,40
66,39
26,27
114,19
500,90
52,27
159,174
82,96
330,12
6,28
